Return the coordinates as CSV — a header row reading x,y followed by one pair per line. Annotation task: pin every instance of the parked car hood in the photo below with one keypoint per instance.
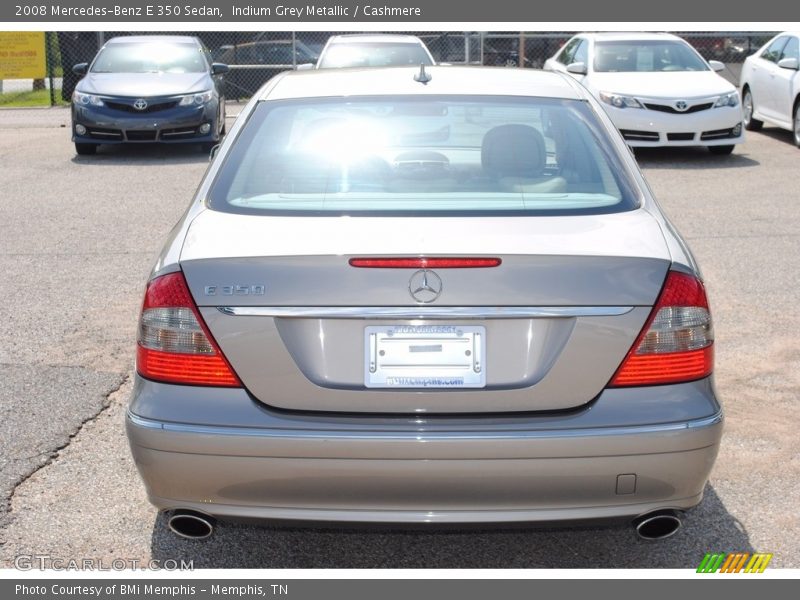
x,y
670,84
143,84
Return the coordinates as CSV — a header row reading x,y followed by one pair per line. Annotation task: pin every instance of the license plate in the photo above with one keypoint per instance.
x,y
425,356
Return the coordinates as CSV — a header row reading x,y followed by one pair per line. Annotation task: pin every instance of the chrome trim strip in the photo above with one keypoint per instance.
x,y
427,435
106,133
173,133
707,422
423,312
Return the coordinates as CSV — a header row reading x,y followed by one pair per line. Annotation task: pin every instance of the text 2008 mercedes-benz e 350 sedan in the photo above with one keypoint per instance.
x,y
424,296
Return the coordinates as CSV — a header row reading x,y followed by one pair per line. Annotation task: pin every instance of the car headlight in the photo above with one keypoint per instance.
x,y
731,99
86,99
618,101
196,99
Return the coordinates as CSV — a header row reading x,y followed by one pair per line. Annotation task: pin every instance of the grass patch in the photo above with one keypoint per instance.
x,y
29,99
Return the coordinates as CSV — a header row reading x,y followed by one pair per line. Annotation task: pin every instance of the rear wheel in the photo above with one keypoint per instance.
x,y
797,124
721,149
85,149
750,123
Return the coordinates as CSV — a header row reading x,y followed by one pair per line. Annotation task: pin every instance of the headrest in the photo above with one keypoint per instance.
x,y
513,151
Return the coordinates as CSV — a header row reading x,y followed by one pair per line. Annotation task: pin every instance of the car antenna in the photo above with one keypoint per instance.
x,y
422,77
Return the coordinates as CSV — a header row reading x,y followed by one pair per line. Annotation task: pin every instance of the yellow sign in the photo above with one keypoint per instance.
x,y
22,55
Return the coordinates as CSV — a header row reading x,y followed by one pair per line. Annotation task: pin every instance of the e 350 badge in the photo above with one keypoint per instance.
x,y
235,290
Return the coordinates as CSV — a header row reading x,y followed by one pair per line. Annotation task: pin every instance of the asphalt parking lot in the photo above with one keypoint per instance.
x,y
79,234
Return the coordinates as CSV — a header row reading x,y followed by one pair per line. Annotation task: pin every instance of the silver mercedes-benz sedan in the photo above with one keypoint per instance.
x,y
412,295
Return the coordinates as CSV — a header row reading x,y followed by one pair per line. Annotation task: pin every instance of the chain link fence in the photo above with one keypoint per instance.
x,y
255,57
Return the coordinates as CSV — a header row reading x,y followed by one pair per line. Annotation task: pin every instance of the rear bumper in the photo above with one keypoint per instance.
x,y
570,467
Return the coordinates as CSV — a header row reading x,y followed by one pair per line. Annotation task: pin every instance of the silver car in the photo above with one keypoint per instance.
x,y
412,295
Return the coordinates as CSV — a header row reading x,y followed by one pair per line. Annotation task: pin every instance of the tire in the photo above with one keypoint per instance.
x,y
85,149
721,150
748,107
797,124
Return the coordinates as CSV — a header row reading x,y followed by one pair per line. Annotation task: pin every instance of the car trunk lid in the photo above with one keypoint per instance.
x,y
549,325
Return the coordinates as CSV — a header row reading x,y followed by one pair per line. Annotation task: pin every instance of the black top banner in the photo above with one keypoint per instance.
x,y
712,12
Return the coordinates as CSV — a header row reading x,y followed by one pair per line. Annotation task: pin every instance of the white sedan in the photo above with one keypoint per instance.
x,y
771,85
656,88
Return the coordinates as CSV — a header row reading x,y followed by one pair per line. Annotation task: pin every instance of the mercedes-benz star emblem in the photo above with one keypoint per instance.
x,y
140,104
681,105
425,286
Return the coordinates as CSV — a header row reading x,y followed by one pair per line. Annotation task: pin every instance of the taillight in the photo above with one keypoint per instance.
x,y
174,344
676,343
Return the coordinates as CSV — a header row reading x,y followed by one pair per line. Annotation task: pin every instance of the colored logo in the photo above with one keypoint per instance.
x,y
734,562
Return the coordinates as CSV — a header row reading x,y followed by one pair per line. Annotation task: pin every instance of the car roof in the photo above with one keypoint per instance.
x,y
445,80
350,38
137,39
629,36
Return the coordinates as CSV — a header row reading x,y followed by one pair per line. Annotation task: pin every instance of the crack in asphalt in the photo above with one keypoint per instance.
x,y
6,511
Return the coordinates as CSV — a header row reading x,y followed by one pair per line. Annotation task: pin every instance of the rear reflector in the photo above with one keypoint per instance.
x,y
676,343
424,263
174,344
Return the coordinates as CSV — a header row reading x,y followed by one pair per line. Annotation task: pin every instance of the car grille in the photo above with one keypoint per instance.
x,y
151,108
718,134
671,109
680,137
639,136
141,136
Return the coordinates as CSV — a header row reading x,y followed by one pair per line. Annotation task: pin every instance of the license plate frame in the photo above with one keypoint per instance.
x,y
441,356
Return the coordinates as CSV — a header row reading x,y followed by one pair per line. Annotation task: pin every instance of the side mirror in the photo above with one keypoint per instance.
x,y
716,66
789,63
305,67
80,68
577,68
219,69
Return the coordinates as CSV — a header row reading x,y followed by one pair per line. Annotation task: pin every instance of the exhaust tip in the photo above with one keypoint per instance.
x,y
191,525
657,525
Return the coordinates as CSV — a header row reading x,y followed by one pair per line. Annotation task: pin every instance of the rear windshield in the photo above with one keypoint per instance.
x,y
373,54
628,57
423,155
150,57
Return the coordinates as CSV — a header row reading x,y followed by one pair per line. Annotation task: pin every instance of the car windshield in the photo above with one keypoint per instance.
x,y
432,154
150,57
373,54
646,57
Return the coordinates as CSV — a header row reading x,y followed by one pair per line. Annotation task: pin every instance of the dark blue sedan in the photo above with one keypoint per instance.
x,y
143,89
